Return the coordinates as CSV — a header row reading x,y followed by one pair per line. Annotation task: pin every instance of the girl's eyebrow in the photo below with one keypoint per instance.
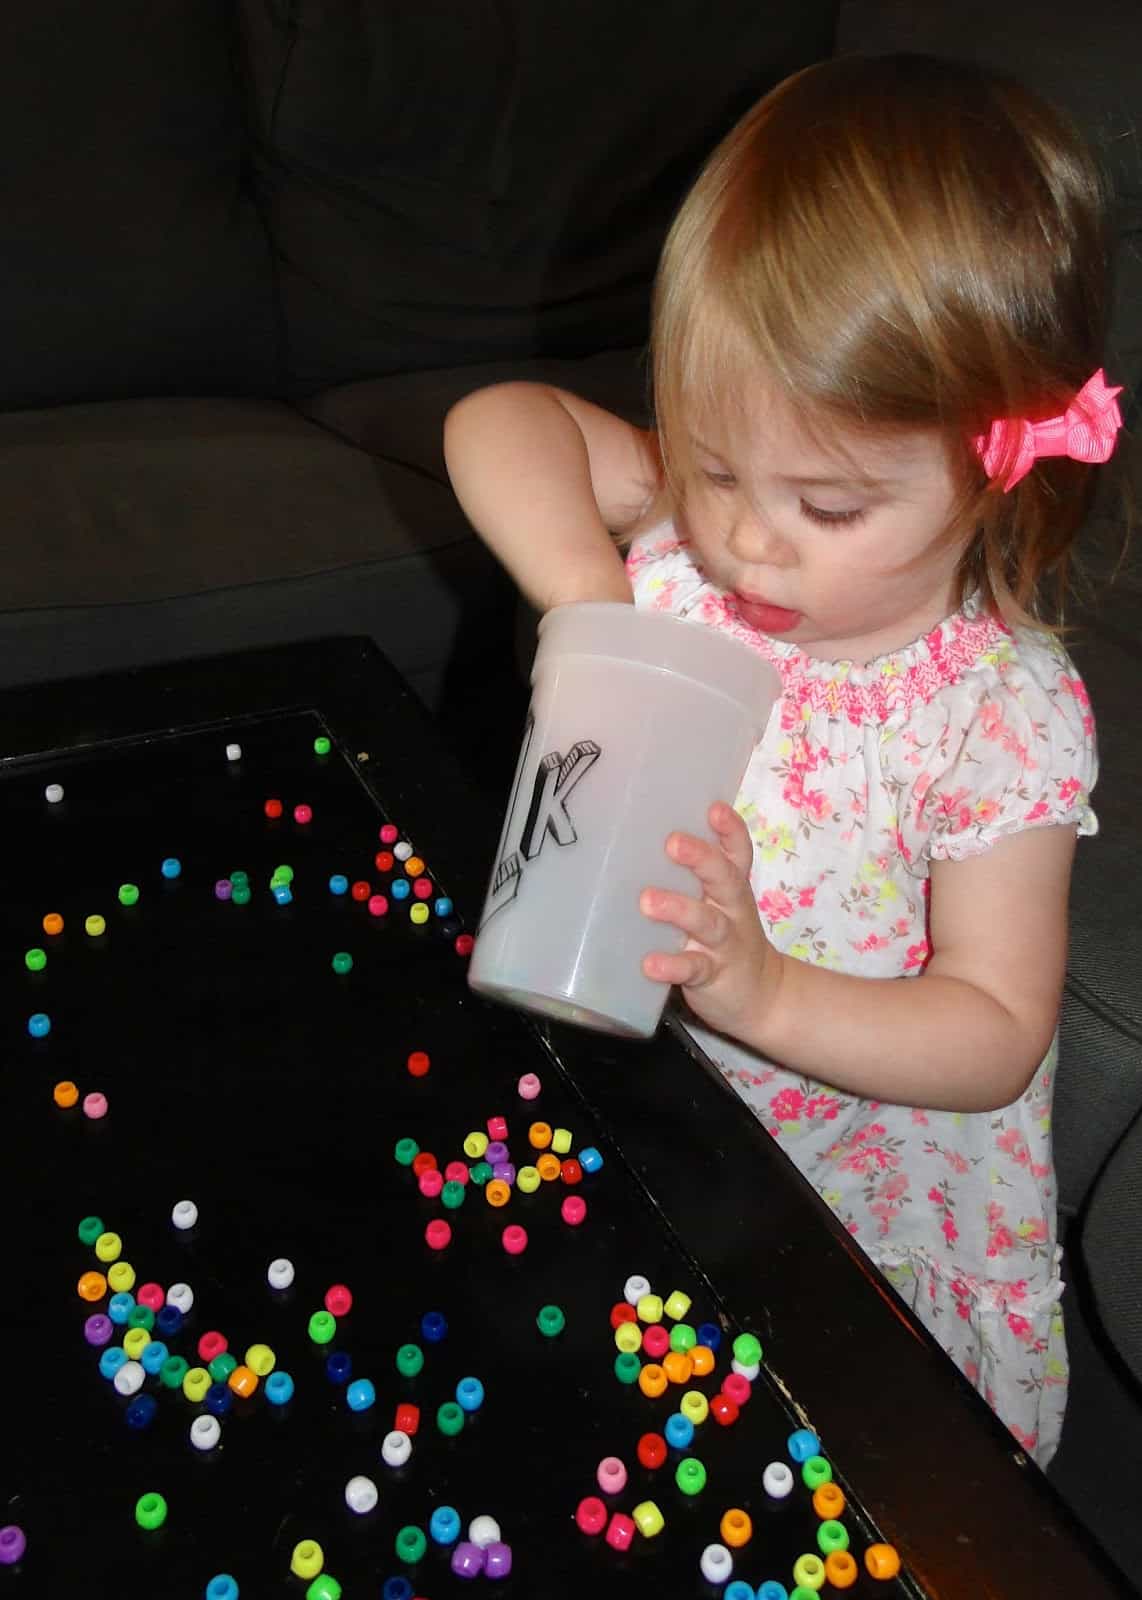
x,y
839,482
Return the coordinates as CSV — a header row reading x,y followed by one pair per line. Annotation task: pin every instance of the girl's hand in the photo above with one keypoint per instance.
x,y
728,969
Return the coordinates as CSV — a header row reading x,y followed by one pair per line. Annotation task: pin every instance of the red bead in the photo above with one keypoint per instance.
x,y
438,1234
622,1311
212,1344
418,1065
422,888
591,1515
273,808
723,1410
338,1300
407,1419
621,1532
388,834
652,1450
423,1162
736,1388
656,1341
383,860
570,1171
464,943
497,1128
361,890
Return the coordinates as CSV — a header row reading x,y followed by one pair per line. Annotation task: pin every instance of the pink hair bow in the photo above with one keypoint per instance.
x,y
1087,431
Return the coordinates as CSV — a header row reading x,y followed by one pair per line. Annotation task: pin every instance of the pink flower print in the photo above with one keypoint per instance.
x,y
793,792
1000,1242
917,955
919,1117
873,941
1013,1144
803,758
939,1196
787,1105
958,1163
1029,1441
1039,809
1032,1233
775,906
921,786
824,1107
901,845
991,721
971,1371
805,897
892,1188
986,810
1019,1326
1017,1291
935,1196
949,1230
952,808
994,1213
1068,789
818,805
1075,687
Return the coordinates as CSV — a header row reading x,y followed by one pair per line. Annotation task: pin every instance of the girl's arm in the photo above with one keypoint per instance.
x,y
545,479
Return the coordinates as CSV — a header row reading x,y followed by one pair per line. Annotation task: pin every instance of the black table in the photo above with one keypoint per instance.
x,y
246,1075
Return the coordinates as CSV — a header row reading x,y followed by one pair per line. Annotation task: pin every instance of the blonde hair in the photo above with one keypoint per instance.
x,y
898,242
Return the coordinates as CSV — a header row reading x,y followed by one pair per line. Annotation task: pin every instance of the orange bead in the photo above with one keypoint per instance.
x,y
702,1360
548,1167
53,922
840,1569
65,1093
677,1366
243,1381
497,1193
736,1529
92,1286
829,1501
414,866
882,1561
652,1380
539,1135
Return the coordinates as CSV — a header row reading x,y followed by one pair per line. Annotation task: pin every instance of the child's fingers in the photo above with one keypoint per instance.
x,y
733,835
697,918
720,878
689,969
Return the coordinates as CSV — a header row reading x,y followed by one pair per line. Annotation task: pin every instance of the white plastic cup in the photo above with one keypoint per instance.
x,y
638,722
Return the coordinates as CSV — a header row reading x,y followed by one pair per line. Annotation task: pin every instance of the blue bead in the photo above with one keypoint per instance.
x,y
279,1388
338,1366
172,867
710,1335
589,1159
470,1394
433,1327
120,1306
39,1024
111,1360
679,1431
401,889
283,894
153,1356
803,1443
444,1525
737,1590
168,1322
360,1395
397,1589
223,1587
141,1412
218,1399
338,884
442,906
772,1590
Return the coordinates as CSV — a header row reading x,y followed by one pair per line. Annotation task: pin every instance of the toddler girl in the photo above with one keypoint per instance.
x,y
876,343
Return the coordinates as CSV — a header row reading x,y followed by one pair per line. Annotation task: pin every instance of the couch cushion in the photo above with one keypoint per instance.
x,y
134,261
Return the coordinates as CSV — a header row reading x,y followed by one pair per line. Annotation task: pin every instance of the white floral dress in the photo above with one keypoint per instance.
x,y
866,774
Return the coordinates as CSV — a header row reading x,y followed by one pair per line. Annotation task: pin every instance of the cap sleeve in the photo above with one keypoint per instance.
x,y
662,575
1010,746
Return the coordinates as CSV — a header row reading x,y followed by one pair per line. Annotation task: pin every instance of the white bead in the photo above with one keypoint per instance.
x,y
484,1531
777,1480
403,850
181,1297
396,1447
129,1378
716,1563
360,1495
185,1214
205,1432
280,1273
53,794
748,1370
636,1288
233,752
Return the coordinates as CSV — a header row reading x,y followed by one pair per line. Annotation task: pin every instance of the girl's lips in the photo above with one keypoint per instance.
x,y
764,617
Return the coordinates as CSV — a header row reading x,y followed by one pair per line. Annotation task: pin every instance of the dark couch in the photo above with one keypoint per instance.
x,y
256,248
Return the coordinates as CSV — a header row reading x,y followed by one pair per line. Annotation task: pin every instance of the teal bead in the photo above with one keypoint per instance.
x,y
410,1360
342,961
406,1151
411,1543
627,1366
480,1173
141,1317
450,1418
452,1194
89,1230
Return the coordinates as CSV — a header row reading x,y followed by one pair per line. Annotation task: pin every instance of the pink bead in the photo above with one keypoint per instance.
x,y
573,1209
388,834
656,1341
378,905
456,1172
430,1183
95,1105
611,1475
591,1515
422,888
303,813
438,1234
152,1295
338,1300
497,1128
621,1532
528,1086
515,1239
737,1388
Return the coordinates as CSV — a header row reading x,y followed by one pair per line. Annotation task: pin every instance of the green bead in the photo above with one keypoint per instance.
x,y
411,1544
322,745
627,1366
816,1471
809,1573
832,1535
410,1359
141,1317
480,1173
173,1370
550,1321
342,961
324,1587
322,1327
690,1475
150,1511
240,895
90,1229
747,1349
282,874
801,1593
406,1151
452,1194
450,1418
128,894
240,880
222,1366
35,960
683,1337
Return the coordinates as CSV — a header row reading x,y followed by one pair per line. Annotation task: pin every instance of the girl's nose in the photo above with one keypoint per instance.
x,y
755,542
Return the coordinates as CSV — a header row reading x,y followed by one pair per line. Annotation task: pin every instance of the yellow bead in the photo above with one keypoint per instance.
x,y
736,1529
135,1341
497,1193
809,1572
561,1140
95,925
695,1406
528,1179
677,1366
195,1385
539,1135
548,1167
628,1337
418,913
108,1247
243,1381
475,1145
92,1286
648,1519
676,1306
702,1360
882,1561
260,1359
649,1308
652,1380
307,1560
840,1569
121,1276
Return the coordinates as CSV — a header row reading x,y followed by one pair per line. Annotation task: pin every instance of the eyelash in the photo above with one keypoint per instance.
x,y
726,480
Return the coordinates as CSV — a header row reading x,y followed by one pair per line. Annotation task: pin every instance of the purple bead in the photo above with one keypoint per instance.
x,y
505,1171
467,1560
13,1544
223,889
497,1560
97,1330
497,1151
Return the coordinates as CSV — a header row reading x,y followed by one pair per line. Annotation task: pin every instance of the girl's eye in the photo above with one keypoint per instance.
x,y
720,480
815,514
